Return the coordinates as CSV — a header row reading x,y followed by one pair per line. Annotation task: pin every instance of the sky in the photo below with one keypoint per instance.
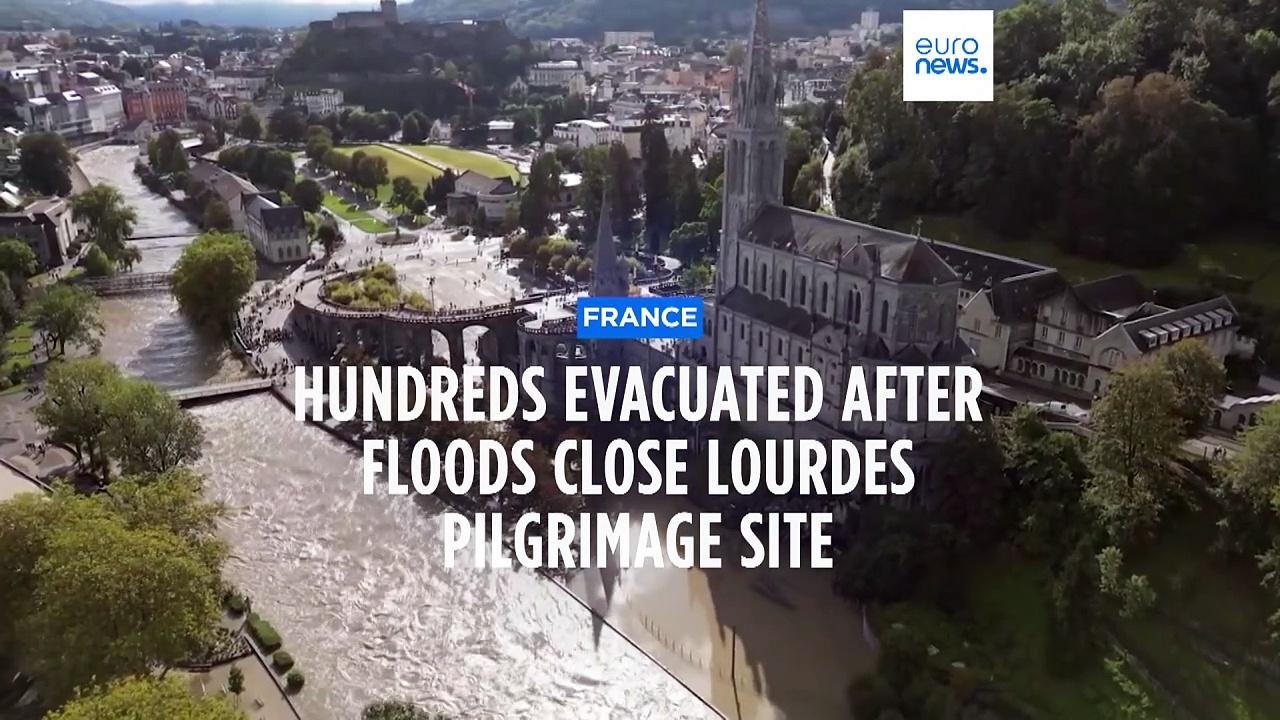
x,y
370,3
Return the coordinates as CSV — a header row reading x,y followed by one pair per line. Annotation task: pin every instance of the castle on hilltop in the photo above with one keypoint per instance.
x,y
386,15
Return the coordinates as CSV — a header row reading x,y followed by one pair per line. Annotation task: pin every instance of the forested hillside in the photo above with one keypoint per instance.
x,y
671,19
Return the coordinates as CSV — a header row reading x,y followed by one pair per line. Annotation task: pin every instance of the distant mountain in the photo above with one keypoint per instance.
x,y
65,13
671,18
232,13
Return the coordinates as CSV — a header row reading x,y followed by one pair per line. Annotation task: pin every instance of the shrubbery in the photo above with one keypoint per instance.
x,y
295,680
282,661
264,633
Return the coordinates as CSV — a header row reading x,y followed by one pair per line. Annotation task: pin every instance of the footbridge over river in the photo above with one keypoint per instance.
x,y
129,283
222,391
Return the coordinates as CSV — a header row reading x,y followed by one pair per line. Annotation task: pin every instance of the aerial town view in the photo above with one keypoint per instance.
x,y
198,200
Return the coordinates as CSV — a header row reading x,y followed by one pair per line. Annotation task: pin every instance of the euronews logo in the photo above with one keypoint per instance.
x,y
946,55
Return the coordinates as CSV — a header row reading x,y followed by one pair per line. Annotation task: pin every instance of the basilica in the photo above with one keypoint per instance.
x,y
793,287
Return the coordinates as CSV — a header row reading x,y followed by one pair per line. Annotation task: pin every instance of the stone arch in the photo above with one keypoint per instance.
x,y
438,350
480,343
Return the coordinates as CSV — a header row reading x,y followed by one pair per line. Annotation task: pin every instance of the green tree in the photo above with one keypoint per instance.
x,y
288,125
8,304
96,264
45,163
319,142
149,432
249,126
146,698
1150,168
17,261
1254,471
697,276
308,195
109,220
112,602
403,193
398,710
235,681
65,314
1198,377
659,195
329,237
215,271
1135,432
217,216
172,502
543,187
371,172
166,153
75,408
689,242
807,191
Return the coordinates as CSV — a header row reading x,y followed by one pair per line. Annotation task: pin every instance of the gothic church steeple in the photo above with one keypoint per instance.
x,y
754,157
609,275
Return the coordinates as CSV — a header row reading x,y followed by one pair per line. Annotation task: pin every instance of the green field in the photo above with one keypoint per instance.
x,y
361,219
461,160
398,165
1252,254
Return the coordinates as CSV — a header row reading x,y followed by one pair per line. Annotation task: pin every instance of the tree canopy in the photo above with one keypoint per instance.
x,y
45,162
146,698
215,271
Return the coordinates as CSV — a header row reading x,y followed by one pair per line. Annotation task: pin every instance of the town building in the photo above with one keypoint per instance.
x,y
104,104
321,102
564,74
46,224
621,38
479,195
64,113
162,103
278,232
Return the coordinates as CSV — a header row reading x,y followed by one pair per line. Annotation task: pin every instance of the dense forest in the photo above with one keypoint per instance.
x,y
1118,137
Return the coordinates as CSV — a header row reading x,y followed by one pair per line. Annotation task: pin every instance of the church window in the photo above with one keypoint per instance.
x,y
746,272
804,290
779,346
857,307
822,300
742,331
848,307
782,285
763,284
760,338
884,316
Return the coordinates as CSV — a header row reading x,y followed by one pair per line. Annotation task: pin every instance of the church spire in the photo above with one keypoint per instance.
x,y
609,276
756,99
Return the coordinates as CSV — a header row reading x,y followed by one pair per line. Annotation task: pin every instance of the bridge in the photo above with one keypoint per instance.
x,y
183,236
129,283
223,391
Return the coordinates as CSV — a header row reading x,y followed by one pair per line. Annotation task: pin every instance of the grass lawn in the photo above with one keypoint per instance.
x,y
461,160
361,219
398,165
1249,253
18,348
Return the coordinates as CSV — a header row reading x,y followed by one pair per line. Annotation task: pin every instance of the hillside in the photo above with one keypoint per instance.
x,y
65,13
669,18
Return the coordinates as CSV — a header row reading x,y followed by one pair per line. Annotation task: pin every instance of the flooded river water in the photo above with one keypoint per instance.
x,y
146,335
356,584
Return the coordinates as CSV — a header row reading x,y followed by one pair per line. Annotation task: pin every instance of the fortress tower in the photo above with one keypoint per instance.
x,y
390,12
